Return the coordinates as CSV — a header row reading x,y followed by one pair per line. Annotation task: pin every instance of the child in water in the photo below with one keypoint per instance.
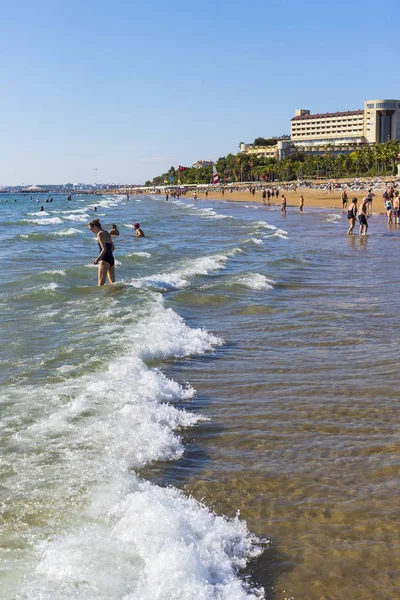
x,y
139,232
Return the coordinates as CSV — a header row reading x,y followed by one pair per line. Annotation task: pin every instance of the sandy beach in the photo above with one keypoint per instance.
x,y
312,198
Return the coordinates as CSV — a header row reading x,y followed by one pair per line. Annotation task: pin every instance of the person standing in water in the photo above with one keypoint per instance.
x,y
105,259
363,216
389,210
114,230
301,203
283,205
139,232
351,215
396,208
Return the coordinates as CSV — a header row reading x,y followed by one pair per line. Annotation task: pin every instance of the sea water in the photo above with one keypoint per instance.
x,y
220,423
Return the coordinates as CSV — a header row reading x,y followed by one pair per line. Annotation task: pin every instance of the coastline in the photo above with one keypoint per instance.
x,y
313,198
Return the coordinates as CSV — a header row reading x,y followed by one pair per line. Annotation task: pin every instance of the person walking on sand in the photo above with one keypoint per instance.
x,y
139,232
344,200
114,230
363,216
283,205
301,203
351,215
370,196
264,197
105,259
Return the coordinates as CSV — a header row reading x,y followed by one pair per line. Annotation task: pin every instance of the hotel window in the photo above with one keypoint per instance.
x,y
386,105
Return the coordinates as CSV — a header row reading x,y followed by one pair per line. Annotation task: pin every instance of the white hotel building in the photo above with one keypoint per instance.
x,y
378,122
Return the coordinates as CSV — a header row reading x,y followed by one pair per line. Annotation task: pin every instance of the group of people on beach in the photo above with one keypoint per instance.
x,y
391,200
105,259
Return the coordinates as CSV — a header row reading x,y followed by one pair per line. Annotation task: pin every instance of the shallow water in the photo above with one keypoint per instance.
x,y
243,358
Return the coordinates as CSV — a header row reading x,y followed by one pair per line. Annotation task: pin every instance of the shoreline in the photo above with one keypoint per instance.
x,y
312,198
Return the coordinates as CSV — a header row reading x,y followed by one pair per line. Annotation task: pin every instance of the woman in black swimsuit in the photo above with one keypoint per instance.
x,y
105,259
351,215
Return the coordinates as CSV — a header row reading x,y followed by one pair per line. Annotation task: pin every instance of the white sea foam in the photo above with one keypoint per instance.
x,y
70,211
210,213
333,218
55,272
77,217
141,254
280,233
113,535
41,213
269,226
153,545
255,281
50,286
179,278
67,232
45,221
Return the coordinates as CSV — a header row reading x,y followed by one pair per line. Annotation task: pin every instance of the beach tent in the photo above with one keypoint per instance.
x,y
34,188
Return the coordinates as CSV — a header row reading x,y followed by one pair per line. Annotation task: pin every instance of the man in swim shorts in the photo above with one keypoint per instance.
x,y
363,216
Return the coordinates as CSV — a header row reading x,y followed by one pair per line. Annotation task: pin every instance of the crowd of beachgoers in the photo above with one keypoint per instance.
x,y
328,186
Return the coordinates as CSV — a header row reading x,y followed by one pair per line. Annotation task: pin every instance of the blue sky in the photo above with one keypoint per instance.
x,y
101,91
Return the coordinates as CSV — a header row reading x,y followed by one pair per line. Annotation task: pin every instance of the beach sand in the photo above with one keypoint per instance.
x,y
312,198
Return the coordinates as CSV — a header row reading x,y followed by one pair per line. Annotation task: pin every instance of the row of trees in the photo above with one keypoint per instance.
x,y
365,160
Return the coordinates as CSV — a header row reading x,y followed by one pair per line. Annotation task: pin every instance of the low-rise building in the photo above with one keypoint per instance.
x,y
199,164
265,151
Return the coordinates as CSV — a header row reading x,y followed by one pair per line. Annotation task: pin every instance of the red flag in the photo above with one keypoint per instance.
x,y
182,168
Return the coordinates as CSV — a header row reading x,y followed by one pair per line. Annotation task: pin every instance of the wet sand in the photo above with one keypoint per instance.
x,y
312,198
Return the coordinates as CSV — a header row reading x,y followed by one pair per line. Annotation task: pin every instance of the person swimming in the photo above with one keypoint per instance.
x,y
139,232
105,259
114,230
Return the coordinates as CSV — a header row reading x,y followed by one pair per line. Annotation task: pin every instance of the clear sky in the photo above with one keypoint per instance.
x,y
101,91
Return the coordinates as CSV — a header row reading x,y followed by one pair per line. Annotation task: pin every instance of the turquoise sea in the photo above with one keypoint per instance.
x,y
222,423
